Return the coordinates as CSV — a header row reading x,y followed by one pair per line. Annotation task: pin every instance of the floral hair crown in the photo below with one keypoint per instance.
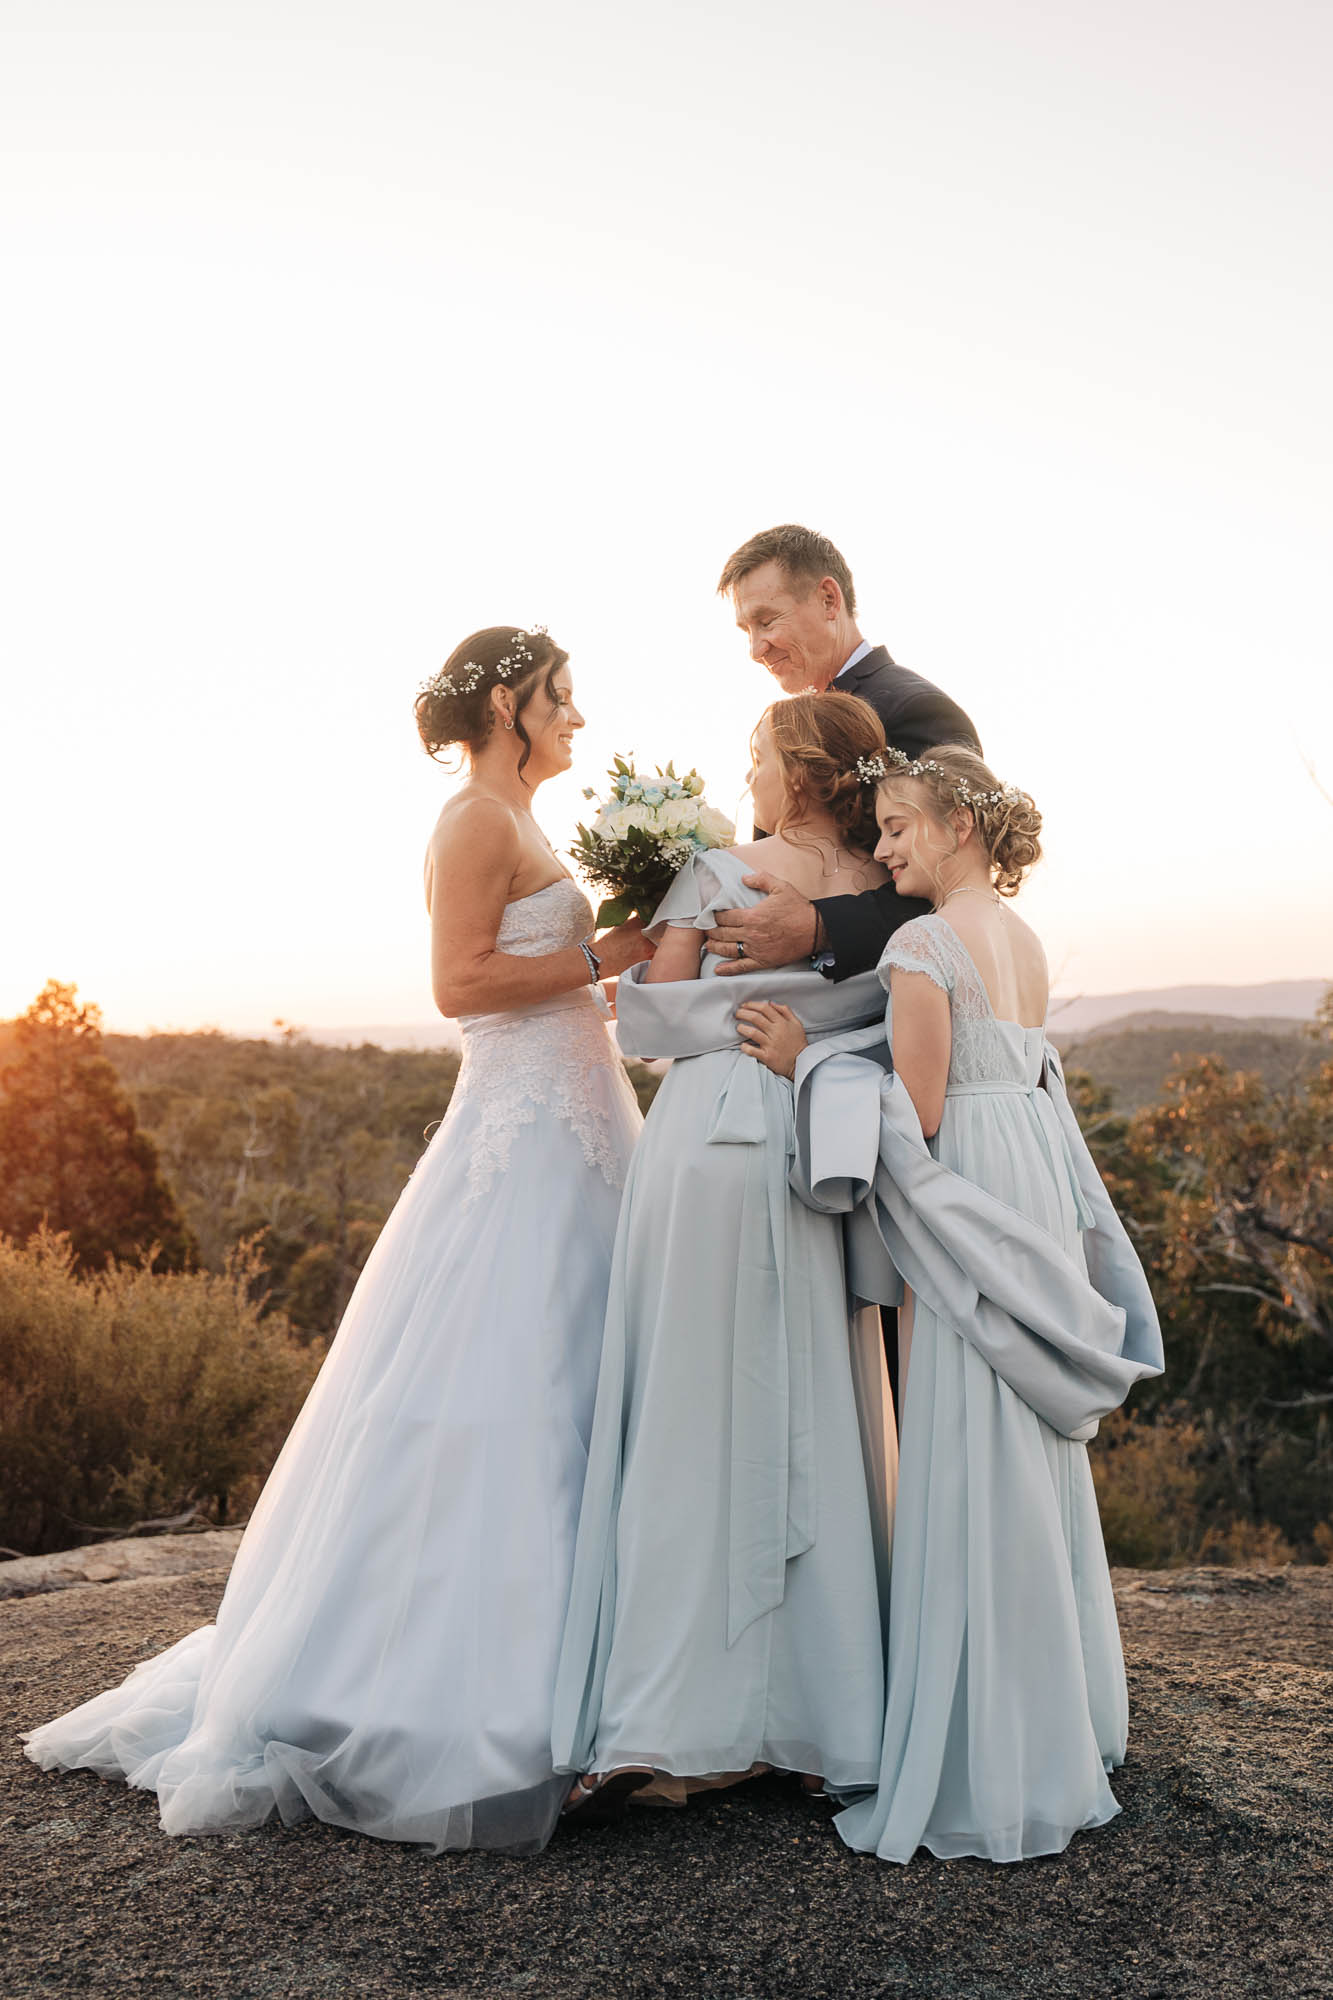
x,y
470,675
870,770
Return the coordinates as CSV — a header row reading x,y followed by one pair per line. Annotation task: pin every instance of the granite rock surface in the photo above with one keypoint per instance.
x,y
1216,1880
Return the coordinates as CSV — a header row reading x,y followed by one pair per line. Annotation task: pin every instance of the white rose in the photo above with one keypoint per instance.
x,y
619,822
678,816
715,827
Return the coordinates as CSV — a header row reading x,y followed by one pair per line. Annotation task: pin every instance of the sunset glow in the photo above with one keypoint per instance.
x,y
339,332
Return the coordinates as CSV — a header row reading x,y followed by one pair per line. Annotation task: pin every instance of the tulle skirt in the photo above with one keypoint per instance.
x,y
385,1651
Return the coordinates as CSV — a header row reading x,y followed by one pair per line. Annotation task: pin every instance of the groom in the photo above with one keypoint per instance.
x,y
796,603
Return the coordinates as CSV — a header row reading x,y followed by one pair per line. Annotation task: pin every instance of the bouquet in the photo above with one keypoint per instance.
x,y
644,833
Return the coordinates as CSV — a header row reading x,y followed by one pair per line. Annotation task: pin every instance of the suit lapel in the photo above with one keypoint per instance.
x,y
869,663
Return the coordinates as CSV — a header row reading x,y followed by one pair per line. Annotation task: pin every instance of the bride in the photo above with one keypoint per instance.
x,y
385,1652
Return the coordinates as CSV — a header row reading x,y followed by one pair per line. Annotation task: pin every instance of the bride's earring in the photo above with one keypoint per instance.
x,y
509,725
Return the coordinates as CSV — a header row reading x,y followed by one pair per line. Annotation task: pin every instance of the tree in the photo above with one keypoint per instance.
x,y
72,1156
1251,1210
1227,1187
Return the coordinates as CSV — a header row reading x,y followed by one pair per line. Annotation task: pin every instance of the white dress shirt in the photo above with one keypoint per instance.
x,y
860,653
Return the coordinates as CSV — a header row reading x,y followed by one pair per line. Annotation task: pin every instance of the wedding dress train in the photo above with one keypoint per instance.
x,y
385,1652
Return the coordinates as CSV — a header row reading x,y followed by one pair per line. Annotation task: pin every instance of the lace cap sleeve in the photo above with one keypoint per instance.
x,y
702,886
918,948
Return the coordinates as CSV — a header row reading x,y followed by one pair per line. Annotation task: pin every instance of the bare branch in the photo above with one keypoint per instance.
x,y
1272,1227
1071,1000
1314,778
1253,1292
1205,1356
136,1527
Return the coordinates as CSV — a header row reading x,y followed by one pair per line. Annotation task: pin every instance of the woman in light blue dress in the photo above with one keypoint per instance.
x,y
729,1582
1027,1318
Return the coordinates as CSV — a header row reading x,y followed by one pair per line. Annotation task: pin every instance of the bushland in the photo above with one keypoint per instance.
x,y
130,1396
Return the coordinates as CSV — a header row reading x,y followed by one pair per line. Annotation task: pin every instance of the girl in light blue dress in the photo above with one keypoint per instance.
x,y
729,1588
1026,1318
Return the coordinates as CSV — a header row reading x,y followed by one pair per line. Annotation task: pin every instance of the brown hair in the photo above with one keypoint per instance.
x,y
1007,821
804,555
818,738
455,706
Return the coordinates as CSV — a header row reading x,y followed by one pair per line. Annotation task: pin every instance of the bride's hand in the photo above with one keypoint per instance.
x,y
618,950
772,1033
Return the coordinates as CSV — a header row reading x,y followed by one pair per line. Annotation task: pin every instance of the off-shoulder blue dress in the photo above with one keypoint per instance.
x,y
729,1589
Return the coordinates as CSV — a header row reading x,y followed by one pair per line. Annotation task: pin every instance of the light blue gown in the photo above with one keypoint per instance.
x,y
1006,1689
729,1586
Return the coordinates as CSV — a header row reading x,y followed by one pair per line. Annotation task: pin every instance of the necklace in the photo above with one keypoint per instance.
x,y
836,856
965,889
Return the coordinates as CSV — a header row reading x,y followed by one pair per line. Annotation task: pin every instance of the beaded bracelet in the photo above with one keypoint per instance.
x,y
594,963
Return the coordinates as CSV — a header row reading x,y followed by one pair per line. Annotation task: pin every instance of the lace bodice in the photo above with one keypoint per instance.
x,y
555,1054
985,1049
547,920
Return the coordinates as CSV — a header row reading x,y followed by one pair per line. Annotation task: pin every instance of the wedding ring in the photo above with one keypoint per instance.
x,y
740,950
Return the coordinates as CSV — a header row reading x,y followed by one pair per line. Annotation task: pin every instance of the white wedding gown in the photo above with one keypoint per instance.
x,y
385,1652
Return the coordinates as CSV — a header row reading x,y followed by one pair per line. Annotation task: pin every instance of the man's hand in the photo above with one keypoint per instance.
x,y
778,931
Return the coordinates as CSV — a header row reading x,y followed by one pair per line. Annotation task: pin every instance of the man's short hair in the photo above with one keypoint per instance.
x,y
805,557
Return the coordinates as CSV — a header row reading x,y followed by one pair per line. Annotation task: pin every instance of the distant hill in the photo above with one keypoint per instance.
x,y
1279,999
1135,1056
436,1034
1282,1003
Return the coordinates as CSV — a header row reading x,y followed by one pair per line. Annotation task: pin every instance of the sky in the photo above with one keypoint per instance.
x,y
334,332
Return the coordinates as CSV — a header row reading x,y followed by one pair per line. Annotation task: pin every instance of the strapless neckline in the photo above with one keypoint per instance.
x,y
545,890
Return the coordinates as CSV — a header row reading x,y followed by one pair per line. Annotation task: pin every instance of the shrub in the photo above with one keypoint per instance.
x,y
130,1394
1166,1500
1147,1481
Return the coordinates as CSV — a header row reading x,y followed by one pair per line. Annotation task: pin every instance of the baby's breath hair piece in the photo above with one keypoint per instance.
x,y
871,769
1005,818
465,679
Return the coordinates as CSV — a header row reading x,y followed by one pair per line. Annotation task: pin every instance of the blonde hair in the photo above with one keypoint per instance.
x,y
1008,824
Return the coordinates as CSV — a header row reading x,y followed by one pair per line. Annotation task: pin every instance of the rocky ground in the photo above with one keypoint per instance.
x,y
1216,1880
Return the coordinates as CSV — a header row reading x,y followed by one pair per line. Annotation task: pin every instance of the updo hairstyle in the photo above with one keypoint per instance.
x,y
454,707
1007,821
818,739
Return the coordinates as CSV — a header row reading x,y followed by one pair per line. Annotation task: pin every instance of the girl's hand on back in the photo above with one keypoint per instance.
x,y
772,1033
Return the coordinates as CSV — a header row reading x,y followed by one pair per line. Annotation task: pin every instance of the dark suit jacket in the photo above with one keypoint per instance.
x,y
916,716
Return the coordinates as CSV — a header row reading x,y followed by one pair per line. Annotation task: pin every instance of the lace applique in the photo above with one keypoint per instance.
x,y
563,1062
558,1057
915,948
980,1052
